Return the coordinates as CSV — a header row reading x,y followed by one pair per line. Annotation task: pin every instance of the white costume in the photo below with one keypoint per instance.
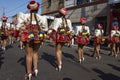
x,y
82,31
113,33
59,28
99,32
58,23
79,29
26,17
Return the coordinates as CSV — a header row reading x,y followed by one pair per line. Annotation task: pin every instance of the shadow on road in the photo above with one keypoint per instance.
x,y
22,61
9,46
49,58
67,55
114,67
106,76
66,79
1,57
51,45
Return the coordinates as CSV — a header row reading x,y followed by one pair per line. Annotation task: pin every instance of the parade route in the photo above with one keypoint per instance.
x,y
12,64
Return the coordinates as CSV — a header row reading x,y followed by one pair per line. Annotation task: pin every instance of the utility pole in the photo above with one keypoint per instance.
x,y
3,11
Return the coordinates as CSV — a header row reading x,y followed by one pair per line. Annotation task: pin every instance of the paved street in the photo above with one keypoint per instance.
x,y
12,65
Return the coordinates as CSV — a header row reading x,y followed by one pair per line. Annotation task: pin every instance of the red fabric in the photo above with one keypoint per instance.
x,y
98,40
82,40
114,40
59,37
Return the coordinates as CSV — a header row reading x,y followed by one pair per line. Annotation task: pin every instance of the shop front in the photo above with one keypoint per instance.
x,y
114,13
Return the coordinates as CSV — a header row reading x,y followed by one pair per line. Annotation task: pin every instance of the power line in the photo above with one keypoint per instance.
x,y
17,7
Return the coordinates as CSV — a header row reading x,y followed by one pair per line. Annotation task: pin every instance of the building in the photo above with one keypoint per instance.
x,y
114,12
96,11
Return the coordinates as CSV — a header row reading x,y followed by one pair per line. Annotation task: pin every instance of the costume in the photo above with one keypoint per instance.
x,y
82,33
115,36
11,29
61,31
98,36
4,28
32,30
61,28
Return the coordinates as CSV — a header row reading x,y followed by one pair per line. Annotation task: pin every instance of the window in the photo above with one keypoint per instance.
x,y
61,3
79,2
49,3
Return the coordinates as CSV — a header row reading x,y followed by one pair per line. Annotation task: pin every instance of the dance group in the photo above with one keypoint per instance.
x,y
61,32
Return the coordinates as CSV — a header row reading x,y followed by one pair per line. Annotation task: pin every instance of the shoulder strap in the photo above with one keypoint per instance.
x,y
36,18
101,32
67,27
30,20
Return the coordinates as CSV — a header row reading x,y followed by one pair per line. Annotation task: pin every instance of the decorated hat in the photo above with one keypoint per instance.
x,y
11,22
83,20
63,11
33,5
100,26
115,27
4,18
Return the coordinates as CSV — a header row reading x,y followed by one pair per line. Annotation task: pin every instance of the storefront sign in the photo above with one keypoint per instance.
x,y
113,1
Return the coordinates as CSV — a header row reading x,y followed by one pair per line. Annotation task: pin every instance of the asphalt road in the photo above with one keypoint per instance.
x,y
12,65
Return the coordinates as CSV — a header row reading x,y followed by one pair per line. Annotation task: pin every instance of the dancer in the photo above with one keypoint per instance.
x,y
115,40
61,34
82,34
4,32
32,38
98,40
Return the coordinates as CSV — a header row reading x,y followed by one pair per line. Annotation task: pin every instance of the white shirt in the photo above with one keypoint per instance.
x,y
113,32
58,22
80,29
26,17
98,32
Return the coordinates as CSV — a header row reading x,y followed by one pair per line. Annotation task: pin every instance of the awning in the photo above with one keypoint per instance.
x,y
113,1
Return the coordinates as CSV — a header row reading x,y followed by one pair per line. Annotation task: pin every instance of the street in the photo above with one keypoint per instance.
x,y
12,64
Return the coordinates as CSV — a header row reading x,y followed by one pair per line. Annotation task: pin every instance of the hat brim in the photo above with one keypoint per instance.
x,y
34,6
63,12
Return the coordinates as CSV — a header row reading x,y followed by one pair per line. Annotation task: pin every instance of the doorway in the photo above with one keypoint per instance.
x,y
103,21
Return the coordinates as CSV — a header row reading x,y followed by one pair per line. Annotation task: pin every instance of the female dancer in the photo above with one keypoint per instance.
x,y
82,37
4,32
98,40
115,40
11,33
32,38
60,34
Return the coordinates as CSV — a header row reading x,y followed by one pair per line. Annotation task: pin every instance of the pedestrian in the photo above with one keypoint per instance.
x,y
82,34
32,37
98,40
61,34
115,40
4,32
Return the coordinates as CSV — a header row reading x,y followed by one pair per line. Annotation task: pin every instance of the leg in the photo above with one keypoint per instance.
x,y
21,44
80,52
35,58
98,51
4,44
29,54
59,54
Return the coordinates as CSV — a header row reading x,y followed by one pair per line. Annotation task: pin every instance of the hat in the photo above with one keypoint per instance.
x,y
83,20
100,26
4,18
33,5
11,22
63,11
115,27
